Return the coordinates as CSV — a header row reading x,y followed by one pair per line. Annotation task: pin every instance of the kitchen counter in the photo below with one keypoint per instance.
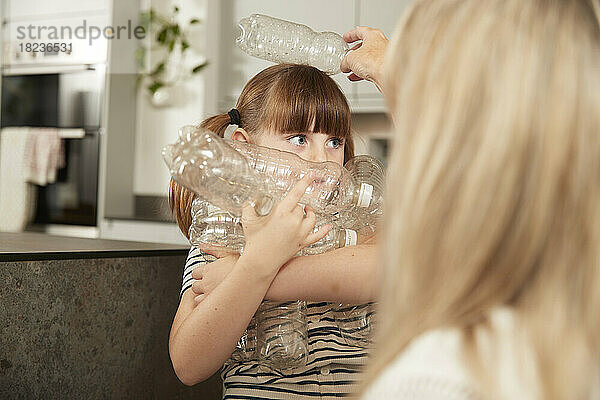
x,y
29,246
90,319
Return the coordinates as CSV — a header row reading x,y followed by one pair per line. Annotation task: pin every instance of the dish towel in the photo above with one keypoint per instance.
x,y
17,197
44,155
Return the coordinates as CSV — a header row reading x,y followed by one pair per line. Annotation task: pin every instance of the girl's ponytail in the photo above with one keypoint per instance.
x,y
180,198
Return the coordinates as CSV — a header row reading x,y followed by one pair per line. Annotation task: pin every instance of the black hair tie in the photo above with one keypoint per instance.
x,y
234,115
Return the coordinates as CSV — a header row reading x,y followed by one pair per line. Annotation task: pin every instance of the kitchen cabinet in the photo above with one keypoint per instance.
x,y
22,10
235,67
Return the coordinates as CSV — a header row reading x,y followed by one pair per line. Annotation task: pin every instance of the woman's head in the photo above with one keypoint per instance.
x,y
290,107
494,182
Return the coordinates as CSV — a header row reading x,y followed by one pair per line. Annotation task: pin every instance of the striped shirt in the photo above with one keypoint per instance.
x,y
332,368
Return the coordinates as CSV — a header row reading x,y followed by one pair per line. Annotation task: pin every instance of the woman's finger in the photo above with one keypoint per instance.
x,y
198,299
355,78
355,34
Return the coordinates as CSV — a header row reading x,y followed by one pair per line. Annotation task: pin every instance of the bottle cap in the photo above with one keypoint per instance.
x,y
365,195
350,237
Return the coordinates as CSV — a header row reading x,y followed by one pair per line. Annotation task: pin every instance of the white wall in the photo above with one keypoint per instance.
x,y
157,127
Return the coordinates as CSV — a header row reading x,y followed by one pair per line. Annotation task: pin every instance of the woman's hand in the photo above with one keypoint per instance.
x,y
275,238
209,275
365,60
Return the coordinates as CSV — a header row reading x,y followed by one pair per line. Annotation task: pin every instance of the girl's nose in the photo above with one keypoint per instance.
x,y
318,154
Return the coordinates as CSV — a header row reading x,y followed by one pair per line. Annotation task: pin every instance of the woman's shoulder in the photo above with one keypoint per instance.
x,y
431,367
435,364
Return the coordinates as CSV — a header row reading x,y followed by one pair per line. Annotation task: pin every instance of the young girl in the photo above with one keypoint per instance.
x,y
298,109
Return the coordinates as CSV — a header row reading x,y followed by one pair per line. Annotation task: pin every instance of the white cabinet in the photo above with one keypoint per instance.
x,y
235,68
32,9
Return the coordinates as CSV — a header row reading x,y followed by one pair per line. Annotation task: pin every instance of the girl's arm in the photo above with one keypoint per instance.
x,y
203,336
346,275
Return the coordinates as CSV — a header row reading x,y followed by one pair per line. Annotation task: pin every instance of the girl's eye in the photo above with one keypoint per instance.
x,y
334,143
298,140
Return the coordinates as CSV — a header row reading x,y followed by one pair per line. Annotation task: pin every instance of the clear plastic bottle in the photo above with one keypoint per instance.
x,y
364,220
214,228
282,334
334,189
356,323
282,41
208,165
204,163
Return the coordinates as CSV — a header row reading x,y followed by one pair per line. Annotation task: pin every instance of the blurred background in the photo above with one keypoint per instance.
x,y
84,113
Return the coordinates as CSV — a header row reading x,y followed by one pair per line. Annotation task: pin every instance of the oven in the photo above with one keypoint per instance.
x,y
68,98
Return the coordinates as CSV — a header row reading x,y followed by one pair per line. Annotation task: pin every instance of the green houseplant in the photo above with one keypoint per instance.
x,y
168,41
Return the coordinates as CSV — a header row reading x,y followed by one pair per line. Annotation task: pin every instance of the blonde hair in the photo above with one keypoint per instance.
x,y
283,98
494,181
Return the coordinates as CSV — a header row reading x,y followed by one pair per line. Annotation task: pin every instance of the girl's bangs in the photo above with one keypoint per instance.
x,y
306,100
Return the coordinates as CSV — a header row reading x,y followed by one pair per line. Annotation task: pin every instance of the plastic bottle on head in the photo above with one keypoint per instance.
x,y
281,41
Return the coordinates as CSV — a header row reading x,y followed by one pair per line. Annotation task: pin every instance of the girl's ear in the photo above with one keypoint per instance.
x,y
240,134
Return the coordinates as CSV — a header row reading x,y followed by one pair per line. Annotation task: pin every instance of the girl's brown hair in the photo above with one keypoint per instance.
x,y
284,98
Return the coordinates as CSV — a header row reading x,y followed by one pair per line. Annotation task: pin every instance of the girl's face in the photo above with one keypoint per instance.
x,y
311,146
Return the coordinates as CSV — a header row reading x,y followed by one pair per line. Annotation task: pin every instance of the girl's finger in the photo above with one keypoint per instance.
x,y
198,299
316,236
197,273
198,287
290,201
308,223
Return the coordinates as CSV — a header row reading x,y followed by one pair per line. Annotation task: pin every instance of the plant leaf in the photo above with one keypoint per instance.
x,y
161,37
155,86
194,21
199,67
175,29
184,45
158,69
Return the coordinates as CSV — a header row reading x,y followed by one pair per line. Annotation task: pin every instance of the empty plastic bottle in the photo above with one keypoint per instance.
x,y
214,228
282,334
282,41
334,189
207,164
356,323
204,163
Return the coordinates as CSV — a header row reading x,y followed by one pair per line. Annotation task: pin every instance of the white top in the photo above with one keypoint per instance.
x,y
433,366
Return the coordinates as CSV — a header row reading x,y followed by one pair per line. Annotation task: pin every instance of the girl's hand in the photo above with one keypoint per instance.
x,y
275,238
208,276
365,61
218,252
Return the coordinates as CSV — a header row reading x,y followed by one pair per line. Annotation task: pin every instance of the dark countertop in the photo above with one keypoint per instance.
x,y
27,246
